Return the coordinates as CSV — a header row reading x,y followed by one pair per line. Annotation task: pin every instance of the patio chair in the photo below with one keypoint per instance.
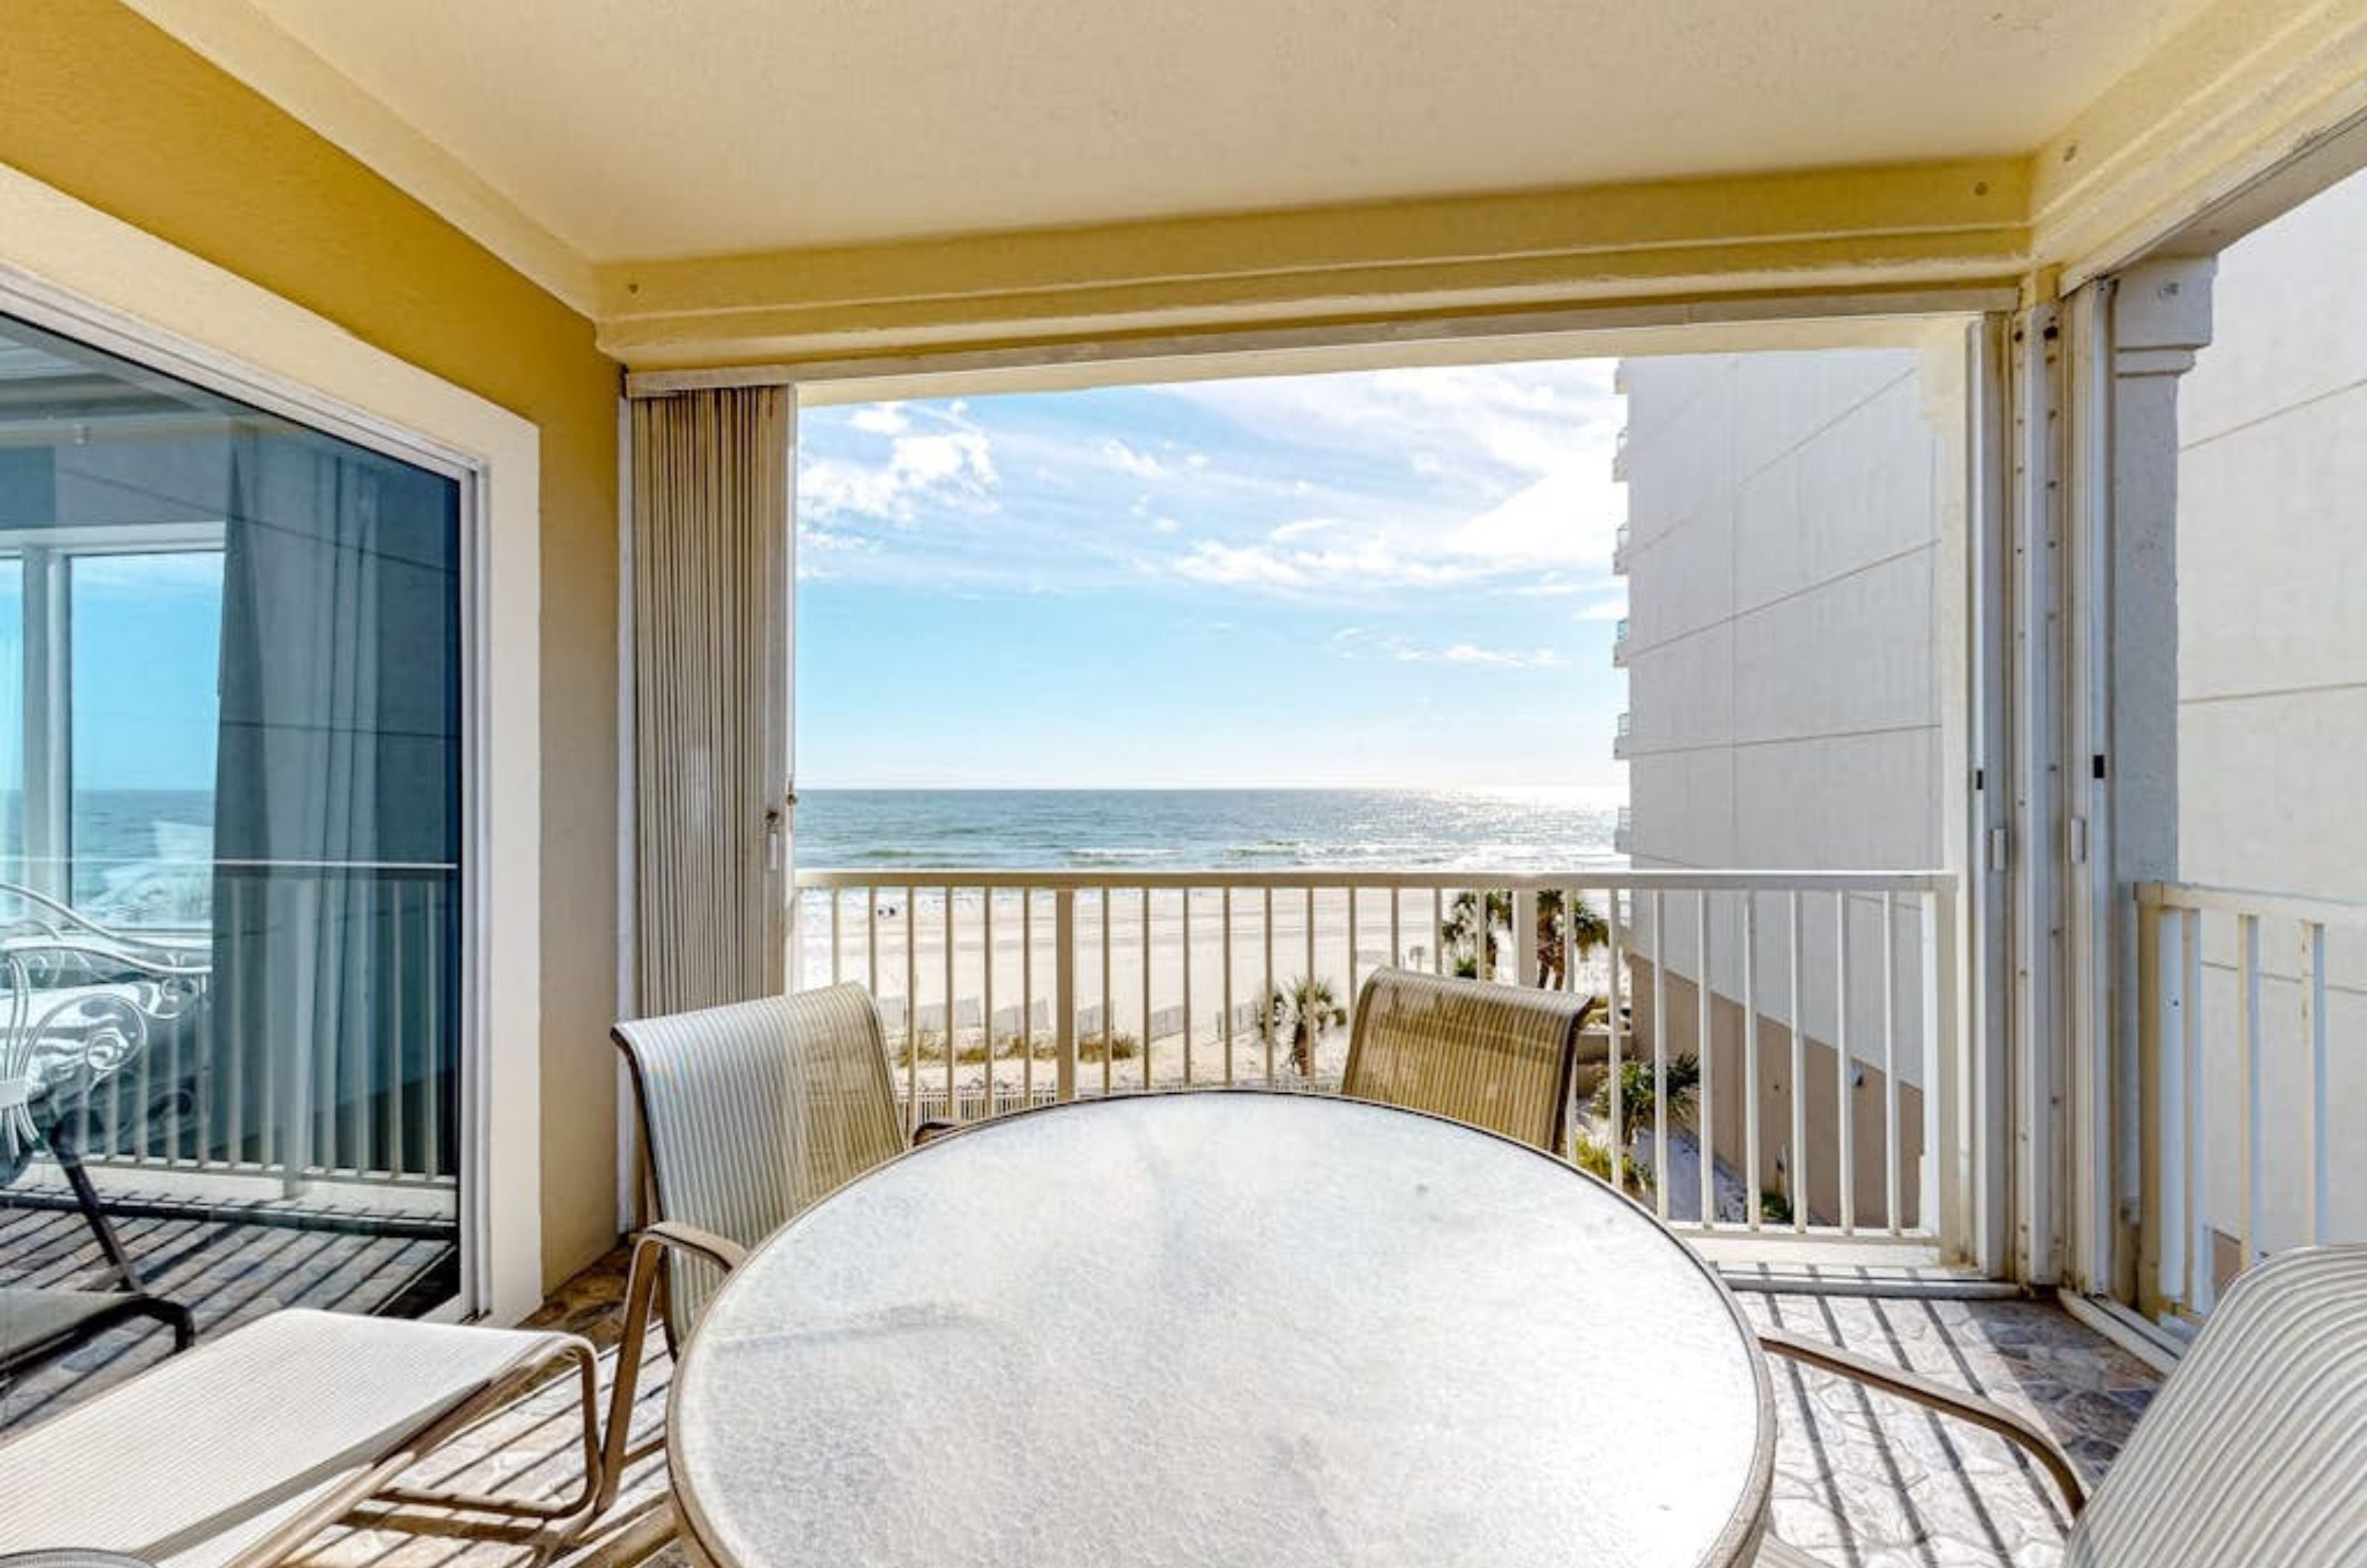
x,y
1501,1057
2253,1452
236,1452
749,1114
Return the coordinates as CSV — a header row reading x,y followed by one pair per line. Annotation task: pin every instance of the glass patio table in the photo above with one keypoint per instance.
x,y
1222,1326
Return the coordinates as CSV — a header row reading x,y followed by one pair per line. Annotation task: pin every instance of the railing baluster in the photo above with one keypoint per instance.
x,y
1188,988
2313,1034
2199,1288
1109,997
1617,1080
1750,1171
836,942
1795,1158
1396,945
1892,1161
1438,931
912,1004
1310,969
1705,1054
952,1113
1027,997
1225,920
1145,989
1266,997
391,1093
1064,993
1844,1071
986,990
1662,1175
1351,998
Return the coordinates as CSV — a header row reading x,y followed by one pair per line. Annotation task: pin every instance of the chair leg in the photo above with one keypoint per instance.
x,y
576,1510
640,1294
69,1157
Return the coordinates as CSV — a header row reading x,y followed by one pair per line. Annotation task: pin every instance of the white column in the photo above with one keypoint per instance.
x,y
2123,791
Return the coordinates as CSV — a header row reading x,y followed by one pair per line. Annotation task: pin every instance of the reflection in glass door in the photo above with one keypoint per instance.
x,y
230,866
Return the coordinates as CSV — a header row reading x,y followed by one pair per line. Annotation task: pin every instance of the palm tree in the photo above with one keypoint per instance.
x,y
1305,1010
1459,938
1562,923
1581,927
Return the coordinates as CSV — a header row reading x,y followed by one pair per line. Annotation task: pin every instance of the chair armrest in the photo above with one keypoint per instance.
x,y
640,1292
721,1251
1983,1413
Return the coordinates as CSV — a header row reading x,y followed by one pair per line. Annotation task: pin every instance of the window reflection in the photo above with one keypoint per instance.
x,y
230,938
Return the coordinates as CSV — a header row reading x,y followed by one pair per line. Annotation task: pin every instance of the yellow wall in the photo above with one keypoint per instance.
x,y
98,104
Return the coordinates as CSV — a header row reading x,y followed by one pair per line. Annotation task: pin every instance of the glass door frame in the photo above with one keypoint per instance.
x,y
181,359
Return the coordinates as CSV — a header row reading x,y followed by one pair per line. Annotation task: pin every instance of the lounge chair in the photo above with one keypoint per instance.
x,y
750,1114
72,1014
1503,1058
2253,1453
236,1453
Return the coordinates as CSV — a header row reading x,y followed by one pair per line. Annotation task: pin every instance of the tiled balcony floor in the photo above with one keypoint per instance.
x,y
1863,1481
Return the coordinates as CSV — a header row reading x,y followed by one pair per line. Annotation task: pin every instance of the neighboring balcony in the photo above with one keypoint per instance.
x,y
1619,645
1619,735
1619,542
1619,459
1622,834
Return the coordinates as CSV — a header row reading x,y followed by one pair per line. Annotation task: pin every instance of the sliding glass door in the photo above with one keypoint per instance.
x,y
230,910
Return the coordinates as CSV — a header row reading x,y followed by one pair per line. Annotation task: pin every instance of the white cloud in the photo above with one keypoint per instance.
x,y
1356,642
1225,564
879,419
1164,525
1126,459
951,465
1303,527
1611,609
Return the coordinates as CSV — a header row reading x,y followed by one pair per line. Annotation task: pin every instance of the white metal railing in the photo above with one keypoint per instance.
x,y
1006,988
2239,1147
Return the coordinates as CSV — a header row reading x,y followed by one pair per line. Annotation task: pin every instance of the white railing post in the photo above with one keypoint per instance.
x,y
1524,936
1064,993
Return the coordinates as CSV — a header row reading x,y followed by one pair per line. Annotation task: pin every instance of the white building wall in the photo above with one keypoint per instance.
x,y
2273,664
1790,576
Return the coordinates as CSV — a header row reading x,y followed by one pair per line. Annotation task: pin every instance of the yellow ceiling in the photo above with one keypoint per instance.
x,y
640,132
736,181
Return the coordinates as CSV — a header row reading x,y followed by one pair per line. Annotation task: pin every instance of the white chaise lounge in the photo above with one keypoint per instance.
x,y
232,1454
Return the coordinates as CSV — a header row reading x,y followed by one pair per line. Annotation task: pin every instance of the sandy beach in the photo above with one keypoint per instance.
x,y
1165,974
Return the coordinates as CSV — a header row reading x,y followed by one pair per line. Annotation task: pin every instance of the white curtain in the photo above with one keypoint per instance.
x,y
710,580
336,810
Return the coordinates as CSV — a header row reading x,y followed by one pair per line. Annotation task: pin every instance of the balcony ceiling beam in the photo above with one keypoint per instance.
x,y
2248,111
1684,243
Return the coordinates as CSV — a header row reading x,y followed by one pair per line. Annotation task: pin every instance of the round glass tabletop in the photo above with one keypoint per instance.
x,y
1222,1327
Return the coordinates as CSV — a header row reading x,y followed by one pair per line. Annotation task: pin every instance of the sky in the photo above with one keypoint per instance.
x,y
146,657
1397,578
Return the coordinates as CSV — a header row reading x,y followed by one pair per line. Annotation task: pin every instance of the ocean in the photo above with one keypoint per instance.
x,y
892,829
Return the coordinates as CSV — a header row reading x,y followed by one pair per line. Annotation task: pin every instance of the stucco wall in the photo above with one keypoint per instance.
x,y
2272,665
1787,617
1789,591
101,105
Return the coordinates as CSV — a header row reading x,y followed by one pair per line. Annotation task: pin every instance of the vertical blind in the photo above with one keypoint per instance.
x,y
711,559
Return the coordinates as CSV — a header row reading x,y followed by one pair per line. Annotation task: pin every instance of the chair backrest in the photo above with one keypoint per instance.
x,y
754,1112
1497,1056
2254,1452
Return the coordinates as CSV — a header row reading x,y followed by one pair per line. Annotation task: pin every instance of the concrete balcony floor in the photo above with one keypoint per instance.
x,y
1863,1480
